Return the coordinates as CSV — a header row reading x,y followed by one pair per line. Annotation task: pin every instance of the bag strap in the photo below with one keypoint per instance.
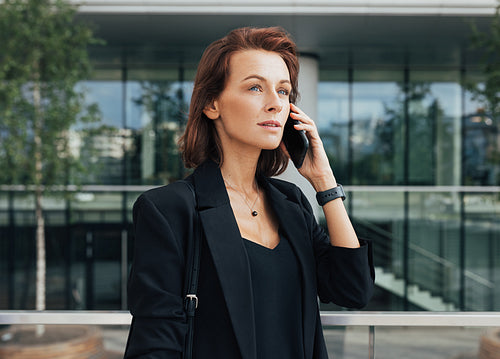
x,y
193,255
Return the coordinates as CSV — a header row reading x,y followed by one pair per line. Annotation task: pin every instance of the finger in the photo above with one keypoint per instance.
x,y
303,126
308,127
296,108
302,117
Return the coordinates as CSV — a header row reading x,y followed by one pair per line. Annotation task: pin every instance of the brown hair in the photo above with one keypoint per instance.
x,y
200,140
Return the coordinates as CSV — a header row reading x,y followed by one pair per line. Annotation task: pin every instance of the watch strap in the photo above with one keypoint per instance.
x,y
330,194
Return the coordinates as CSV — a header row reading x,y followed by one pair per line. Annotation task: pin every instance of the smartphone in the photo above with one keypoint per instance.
x,y
296,142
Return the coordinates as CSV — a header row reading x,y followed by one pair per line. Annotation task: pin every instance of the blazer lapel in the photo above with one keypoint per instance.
x,y
294,227
228,253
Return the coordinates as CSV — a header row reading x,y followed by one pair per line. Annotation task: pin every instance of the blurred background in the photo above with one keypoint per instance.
x,y
388,85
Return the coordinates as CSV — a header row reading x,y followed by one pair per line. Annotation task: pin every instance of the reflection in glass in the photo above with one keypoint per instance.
x,y
427,342
434,245
481,150
96,251
17,252
482,234
333,124
157,115
378,114
409,342
379,217
6,243
481,145
102,151
434,128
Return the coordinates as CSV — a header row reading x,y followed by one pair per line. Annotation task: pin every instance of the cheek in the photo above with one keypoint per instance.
x,y
232,105
286,111
240,110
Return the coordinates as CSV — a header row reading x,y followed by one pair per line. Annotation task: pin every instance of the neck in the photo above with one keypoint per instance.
x,y
240,171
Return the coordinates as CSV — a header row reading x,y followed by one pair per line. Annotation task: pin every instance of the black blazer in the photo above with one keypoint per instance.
x,y
224,326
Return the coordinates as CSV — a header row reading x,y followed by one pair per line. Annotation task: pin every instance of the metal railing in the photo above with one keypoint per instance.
x,y
351,318
347,188
329,319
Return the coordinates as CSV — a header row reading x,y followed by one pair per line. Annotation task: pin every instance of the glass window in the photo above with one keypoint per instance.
x,y
95,251
6,243
379,216
102,151
96,266
106,261
434,249
56,249
481,142
378,120
482,248
4,208
157,107
333,120
102,207
434,128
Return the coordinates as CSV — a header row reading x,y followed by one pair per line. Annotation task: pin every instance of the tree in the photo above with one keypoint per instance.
x,y
44,54
488,43
165,106
483,166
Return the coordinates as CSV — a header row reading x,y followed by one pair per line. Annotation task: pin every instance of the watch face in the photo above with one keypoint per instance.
x,y
341,191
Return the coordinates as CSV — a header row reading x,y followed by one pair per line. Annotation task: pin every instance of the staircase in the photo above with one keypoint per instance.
x,y
416,295
434,281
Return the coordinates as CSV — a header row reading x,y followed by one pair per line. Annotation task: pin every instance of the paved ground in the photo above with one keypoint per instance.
x,y
390,342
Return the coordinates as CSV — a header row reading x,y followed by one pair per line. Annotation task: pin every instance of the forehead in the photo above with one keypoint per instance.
x,y
267,64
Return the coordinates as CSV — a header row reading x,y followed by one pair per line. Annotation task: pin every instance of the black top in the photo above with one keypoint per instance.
x,y
276,284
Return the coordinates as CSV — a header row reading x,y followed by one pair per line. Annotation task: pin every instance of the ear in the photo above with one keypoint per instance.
x,y
212,110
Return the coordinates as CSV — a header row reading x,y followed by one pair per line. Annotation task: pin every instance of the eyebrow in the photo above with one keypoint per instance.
x,y
262,79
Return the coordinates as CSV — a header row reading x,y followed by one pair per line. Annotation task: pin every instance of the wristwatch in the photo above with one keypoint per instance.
x,y
330,194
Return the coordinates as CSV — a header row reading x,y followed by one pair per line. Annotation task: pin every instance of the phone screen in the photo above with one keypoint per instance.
x,y
296,142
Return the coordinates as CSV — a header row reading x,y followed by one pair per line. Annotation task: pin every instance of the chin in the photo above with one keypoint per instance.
x,y
270,146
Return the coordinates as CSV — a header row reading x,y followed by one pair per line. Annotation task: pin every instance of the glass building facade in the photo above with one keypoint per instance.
x,y
418,157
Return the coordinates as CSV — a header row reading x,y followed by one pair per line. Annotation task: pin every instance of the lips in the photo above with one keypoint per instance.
x,y
270,124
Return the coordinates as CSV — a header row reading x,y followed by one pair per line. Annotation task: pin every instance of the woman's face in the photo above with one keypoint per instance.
x,y
251,111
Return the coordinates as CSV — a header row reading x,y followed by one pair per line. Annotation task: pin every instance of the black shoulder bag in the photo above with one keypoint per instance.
x,y
191,278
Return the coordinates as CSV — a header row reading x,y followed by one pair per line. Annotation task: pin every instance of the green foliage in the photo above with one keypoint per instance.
x,y
167,110
487,93
383,159
44,54
488,43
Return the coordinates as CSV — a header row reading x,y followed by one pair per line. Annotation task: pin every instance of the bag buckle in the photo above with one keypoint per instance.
x,y
190,299
193,297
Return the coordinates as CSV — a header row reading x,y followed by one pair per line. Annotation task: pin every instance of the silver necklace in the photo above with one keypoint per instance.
x,y
252,211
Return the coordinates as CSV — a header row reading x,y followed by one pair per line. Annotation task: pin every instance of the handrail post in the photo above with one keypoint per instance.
x,y
406,250
406,181
462,253
371,342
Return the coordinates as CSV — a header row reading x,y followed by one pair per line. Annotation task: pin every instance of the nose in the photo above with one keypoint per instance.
x,y
274,103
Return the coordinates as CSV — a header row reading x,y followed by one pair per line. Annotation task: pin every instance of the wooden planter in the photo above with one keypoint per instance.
x,y
489,347
58,342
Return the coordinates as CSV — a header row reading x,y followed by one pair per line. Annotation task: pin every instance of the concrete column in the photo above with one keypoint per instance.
x,y
308,102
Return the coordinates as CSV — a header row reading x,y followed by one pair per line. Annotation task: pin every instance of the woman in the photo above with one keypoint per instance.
x,y
264,259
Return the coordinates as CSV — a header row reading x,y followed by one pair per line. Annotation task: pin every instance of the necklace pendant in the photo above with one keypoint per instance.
x,y
254,213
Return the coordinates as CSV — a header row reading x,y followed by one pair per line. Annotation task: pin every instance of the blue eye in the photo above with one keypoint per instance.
x,y
283,92
255,88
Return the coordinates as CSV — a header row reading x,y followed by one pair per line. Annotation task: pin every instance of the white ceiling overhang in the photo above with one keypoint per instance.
x,y
302,7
